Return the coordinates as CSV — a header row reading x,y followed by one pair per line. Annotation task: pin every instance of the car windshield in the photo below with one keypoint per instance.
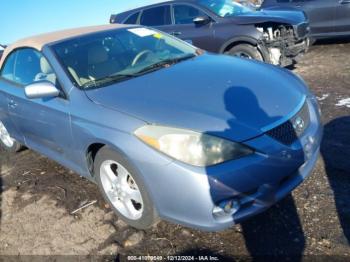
x,y
225,8
101,59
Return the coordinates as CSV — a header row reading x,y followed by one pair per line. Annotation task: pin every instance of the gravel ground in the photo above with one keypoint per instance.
x,y
39,195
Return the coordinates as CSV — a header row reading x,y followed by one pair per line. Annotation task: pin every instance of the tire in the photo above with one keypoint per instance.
x,y
117,184
246,51
7,143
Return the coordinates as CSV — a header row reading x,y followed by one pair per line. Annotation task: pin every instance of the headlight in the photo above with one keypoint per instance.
x,y
191,147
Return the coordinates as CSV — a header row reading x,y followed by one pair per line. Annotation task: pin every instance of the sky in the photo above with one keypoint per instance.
x,y
22,18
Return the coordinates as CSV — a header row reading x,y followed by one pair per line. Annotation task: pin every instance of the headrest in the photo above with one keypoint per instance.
x,y
45,66
97,54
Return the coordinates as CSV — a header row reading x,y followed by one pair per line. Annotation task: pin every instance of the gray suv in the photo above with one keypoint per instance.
x,y
328,18
223,26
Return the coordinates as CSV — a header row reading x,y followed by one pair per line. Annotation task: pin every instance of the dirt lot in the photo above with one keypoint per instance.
x,y
38,196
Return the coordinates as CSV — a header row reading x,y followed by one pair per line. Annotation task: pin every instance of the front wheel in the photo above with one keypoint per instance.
x,y
7,143
245,51
124,189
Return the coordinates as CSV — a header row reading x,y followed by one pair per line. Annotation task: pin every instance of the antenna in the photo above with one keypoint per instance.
x,y
3,46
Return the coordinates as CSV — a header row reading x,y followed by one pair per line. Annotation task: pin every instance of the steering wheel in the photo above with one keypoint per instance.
x,y
139,56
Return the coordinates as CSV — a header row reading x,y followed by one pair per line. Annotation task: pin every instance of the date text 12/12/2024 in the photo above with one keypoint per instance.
x,y
173,258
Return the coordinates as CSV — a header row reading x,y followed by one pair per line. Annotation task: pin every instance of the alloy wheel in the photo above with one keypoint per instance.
x,y
5,136
243,55
121,189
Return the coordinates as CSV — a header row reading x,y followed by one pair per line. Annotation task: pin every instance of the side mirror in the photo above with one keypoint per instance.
x,y
201,20
41,90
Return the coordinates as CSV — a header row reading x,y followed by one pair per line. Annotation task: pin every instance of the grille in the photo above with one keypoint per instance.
x,y
290,131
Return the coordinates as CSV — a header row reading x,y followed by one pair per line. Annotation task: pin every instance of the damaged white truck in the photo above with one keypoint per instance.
x,y
223,26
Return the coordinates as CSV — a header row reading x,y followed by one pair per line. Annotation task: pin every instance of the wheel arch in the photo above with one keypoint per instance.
x,y
94,147
236,41
245,40
90,155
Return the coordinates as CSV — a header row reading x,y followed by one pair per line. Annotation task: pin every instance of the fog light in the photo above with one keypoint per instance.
x,y
226,208
231,206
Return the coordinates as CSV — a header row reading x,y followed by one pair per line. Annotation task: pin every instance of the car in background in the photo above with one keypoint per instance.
x,y
226,27
247,3
164,130
327,18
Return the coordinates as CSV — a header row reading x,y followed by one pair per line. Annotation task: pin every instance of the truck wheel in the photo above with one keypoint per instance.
x,y
124,189
7,143
245,51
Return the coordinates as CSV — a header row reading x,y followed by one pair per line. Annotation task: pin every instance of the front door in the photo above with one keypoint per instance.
x,y
44,122
7,85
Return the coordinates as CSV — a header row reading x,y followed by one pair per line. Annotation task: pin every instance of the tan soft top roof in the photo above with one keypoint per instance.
x,y
39,41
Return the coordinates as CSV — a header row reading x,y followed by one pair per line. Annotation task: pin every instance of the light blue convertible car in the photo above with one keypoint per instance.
x,y
164,129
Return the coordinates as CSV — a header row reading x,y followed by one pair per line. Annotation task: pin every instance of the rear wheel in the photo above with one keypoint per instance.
x,y
246,51
7,143
124,189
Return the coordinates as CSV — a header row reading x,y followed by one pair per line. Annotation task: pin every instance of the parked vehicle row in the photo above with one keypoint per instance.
x,y
164,129
248,3
225,27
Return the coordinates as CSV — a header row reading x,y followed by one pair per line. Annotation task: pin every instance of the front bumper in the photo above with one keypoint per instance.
x,y
290,49
188,195
294,52
262,200
287,53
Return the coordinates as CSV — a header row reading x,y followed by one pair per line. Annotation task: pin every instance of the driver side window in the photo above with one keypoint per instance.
x,y
184,14
7,71
26,66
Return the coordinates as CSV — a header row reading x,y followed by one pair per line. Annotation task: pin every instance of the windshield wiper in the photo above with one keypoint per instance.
x,y
108,79
121,77
163,63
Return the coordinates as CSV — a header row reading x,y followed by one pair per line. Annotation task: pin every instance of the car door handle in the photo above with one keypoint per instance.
x,y
344,2
176,33
12,104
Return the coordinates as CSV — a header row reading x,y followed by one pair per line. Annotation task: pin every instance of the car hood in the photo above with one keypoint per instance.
x,y
233,98
287,16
